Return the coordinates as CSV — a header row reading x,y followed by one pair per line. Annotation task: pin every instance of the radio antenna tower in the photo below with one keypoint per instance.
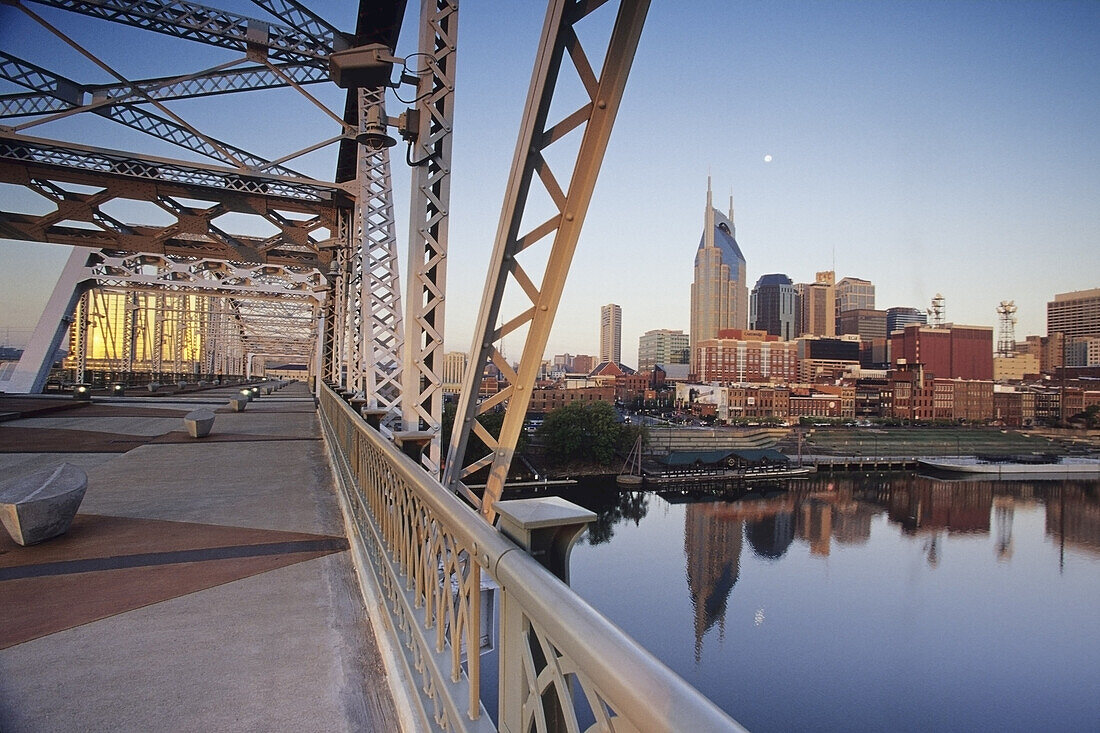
x,y
1006,343
936,312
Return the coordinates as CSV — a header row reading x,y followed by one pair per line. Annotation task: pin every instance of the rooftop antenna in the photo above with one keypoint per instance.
x,y
936,312
1006,343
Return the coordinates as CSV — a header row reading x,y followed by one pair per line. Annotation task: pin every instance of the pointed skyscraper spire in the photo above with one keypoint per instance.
x,y
733,228
708,228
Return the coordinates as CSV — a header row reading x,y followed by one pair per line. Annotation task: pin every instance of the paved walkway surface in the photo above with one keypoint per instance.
x,y
205,585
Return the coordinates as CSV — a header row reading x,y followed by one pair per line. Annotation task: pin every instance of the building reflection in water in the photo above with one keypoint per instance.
x,y
841,509
712,544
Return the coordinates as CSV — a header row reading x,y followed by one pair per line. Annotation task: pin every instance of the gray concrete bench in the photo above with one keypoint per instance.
x,y
42,504
199,422
238,403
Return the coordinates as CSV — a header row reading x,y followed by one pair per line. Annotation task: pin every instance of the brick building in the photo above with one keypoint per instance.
x,y
548,400
739,356
949,352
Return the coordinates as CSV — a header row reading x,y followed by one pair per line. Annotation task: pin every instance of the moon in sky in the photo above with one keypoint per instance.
x,y
768,158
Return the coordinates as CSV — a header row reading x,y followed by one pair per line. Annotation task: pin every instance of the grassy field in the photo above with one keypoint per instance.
x,y
877,442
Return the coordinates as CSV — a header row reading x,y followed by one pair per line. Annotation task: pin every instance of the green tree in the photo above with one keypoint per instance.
x,y
585,432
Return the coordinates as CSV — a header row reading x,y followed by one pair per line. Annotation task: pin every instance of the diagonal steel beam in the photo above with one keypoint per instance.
x,y
301,18
251,78
212,26
122,110
560,232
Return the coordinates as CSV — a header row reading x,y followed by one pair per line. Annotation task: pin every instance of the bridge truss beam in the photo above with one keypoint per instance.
x,y
556,234
303,211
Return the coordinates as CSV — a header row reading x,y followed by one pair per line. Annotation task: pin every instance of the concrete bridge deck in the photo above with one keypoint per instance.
x,y
204,586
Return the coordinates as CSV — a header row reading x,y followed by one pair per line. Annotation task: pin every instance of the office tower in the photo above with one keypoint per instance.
x,y
719,293
868,324
853,293
898,318
454,371
662,346
818,306
774,306
1075,314
611,333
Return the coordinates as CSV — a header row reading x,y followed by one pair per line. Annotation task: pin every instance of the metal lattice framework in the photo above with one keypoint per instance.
x,y
378,337
431,194
558,233
270,289
342,232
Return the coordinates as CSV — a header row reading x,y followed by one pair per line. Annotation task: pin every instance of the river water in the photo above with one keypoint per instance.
x,y
891,602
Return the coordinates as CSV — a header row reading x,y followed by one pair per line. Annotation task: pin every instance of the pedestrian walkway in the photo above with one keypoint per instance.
x,y
205,585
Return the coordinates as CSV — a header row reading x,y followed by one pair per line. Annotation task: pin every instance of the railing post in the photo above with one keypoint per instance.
x,y
374,415
547,529
413,442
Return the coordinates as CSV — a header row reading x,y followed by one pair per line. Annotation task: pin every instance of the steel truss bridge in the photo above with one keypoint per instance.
x,y
200,251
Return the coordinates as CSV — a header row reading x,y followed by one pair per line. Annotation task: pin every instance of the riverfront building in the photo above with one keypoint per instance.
x,y
719,292
774,307
1075,314
611,333
663,346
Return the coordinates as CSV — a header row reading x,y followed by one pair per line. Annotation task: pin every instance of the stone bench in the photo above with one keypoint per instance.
x,y
199,422
238,403
42,504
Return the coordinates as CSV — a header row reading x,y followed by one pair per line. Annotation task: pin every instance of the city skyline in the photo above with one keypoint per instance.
x,y
961,161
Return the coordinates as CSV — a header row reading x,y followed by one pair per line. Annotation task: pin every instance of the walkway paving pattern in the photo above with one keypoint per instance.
x,y
205,585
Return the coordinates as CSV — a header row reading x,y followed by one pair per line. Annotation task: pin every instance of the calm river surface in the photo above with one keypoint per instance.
x,y
870,603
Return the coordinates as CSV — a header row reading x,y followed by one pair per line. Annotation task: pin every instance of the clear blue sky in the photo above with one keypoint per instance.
x,y
928,147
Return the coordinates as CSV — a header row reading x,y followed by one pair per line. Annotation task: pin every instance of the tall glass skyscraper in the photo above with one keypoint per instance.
x,y
719,293
773,306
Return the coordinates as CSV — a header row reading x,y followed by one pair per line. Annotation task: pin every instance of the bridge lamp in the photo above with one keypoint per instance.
x,y
81,392
372,131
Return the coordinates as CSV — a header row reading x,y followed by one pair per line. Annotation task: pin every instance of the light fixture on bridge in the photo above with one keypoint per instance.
x,y
372,131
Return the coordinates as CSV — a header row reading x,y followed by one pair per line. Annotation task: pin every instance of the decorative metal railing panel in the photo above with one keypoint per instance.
x,y
427,551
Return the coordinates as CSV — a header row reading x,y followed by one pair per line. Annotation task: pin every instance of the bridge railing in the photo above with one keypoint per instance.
x,y
427,552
